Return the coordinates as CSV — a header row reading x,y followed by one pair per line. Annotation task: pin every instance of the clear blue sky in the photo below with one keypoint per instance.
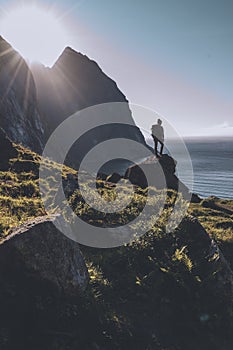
x,y
174,56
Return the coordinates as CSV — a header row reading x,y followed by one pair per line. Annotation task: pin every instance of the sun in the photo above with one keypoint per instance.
x,y
36,33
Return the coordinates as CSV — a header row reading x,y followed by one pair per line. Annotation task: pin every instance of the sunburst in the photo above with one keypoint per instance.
x,y
36,33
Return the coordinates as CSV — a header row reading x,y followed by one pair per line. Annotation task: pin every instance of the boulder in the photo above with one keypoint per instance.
x,y
209,262
114,178
168,165
195,198
37,258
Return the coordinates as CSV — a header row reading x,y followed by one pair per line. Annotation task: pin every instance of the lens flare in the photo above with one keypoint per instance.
x,y
36,33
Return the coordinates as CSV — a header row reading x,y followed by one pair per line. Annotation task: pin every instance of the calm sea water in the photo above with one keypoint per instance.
x,y
212,162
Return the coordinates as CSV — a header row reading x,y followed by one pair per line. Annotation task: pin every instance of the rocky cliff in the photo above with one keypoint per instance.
x,y
72,84
33,102
19,115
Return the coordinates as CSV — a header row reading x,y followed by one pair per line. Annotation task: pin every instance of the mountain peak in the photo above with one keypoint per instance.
x,y
69,56
2,39
69,49
5,46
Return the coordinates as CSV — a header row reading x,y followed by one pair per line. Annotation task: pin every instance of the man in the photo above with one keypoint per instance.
x,y
158,136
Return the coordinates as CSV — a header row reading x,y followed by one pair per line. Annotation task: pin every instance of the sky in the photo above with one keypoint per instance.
x,y
172,56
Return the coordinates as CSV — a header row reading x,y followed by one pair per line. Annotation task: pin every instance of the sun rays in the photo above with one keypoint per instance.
x,y
38,34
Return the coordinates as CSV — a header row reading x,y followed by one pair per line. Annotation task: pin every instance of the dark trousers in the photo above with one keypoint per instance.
x,y
156,141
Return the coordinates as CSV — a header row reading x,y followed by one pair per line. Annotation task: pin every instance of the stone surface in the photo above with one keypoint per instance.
x,y
153,166
19,115
8,151
76,82
208,260
37,257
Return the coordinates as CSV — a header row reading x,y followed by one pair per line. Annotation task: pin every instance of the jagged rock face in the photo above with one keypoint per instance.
x,y
8,151
73,83
37,258
19,116
76,82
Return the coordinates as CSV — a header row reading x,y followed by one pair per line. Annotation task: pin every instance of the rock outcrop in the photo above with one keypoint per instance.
x,y
37,258
168,166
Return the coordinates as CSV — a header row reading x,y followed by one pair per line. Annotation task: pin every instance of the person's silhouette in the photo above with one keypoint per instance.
x,y
158,136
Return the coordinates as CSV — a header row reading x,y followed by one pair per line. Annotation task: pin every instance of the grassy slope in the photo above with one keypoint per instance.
x,y
140,295
216,215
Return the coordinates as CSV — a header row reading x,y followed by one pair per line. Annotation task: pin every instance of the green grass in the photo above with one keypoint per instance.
x,y
20,198
216,216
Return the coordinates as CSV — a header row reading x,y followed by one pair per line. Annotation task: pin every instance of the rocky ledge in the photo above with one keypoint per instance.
x,y
162,169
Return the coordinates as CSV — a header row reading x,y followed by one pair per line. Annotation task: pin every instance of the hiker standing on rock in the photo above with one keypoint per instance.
x,y
158,136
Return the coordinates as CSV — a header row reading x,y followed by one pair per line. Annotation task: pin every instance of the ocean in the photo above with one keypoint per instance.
x,y
212,161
